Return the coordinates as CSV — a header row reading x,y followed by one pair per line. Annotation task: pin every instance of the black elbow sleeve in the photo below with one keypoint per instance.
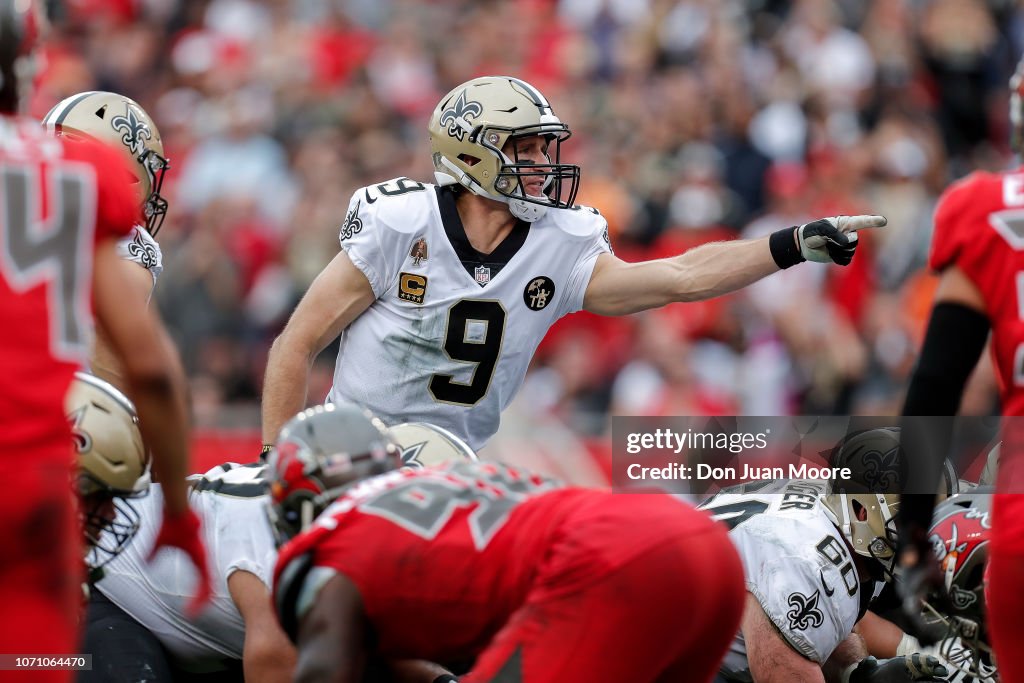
x,y
952,345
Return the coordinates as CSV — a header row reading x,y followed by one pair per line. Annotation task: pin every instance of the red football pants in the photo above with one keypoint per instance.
x,y
40,561
667,613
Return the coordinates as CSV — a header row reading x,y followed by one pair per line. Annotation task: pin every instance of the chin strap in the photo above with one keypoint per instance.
x,y
524,211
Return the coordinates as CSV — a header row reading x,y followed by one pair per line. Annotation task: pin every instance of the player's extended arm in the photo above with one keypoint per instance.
x,y
155,381
337,297
771,659
332,636
268,655
153,376
955,338
710,270
104,363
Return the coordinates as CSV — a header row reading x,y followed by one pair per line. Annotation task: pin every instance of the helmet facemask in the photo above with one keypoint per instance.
x,y
109,520
154,208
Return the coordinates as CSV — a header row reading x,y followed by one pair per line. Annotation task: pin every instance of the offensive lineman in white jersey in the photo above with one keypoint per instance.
x,y
124,125
814,553
443,293
140,614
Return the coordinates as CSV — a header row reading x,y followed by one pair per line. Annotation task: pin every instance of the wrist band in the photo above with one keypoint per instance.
x,y
784,249
267,447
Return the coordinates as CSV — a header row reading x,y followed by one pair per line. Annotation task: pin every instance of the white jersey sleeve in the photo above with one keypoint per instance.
x,y
595,231
796,563
792,594
139,247
378,235
230,500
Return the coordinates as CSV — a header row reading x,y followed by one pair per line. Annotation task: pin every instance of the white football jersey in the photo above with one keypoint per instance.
x,y
452,332
797,565
140,247
231,501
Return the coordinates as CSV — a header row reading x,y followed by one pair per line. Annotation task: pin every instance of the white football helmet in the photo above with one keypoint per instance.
x,y
113,464
468,133
121,123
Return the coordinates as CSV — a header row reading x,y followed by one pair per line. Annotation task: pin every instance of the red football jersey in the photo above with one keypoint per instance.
x,y
979,227
58,199
442,557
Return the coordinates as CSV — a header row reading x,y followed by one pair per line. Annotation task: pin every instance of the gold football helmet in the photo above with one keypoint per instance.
x,y
425,445
123,124
468,134
113,464
864,506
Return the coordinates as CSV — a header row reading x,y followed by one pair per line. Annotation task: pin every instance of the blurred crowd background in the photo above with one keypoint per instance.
x,y
693,120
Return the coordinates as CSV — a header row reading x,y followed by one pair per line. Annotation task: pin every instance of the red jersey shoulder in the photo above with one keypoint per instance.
x,y
962,230
118,208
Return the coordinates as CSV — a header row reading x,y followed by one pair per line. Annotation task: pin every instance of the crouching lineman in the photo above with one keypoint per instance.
x,y
465,561
814,555
113,467
137,629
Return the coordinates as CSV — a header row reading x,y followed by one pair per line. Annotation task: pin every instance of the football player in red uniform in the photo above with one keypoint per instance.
x,y
978,249
63,204
475,560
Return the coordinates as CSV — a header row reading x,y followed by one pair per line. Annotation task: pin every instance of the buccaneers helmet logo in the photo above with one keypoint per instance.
x,y
462,109
805,613
133,130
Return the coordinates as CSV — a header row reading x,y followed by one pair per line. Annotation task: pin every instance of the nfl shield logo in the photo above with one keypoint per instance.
x,y
483,275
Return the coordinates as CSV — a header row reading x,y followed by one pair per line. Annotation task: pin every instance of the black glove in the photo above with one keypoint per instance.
x,y
915,667
826,240
919,577
833,239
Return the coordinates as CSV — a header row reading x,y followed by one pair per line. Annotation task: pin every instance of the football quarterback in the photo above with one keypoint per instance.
x,y
442,293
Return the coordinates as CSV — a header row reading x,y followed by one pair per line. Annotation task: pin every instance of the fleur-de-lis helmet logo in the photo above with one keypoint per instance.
x,y
82,439
134,130
881,470
462,109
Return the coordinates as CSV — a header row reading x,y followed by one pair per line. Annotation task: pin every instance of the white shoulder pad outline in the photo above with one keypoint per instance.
x,y
579,221
400,204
